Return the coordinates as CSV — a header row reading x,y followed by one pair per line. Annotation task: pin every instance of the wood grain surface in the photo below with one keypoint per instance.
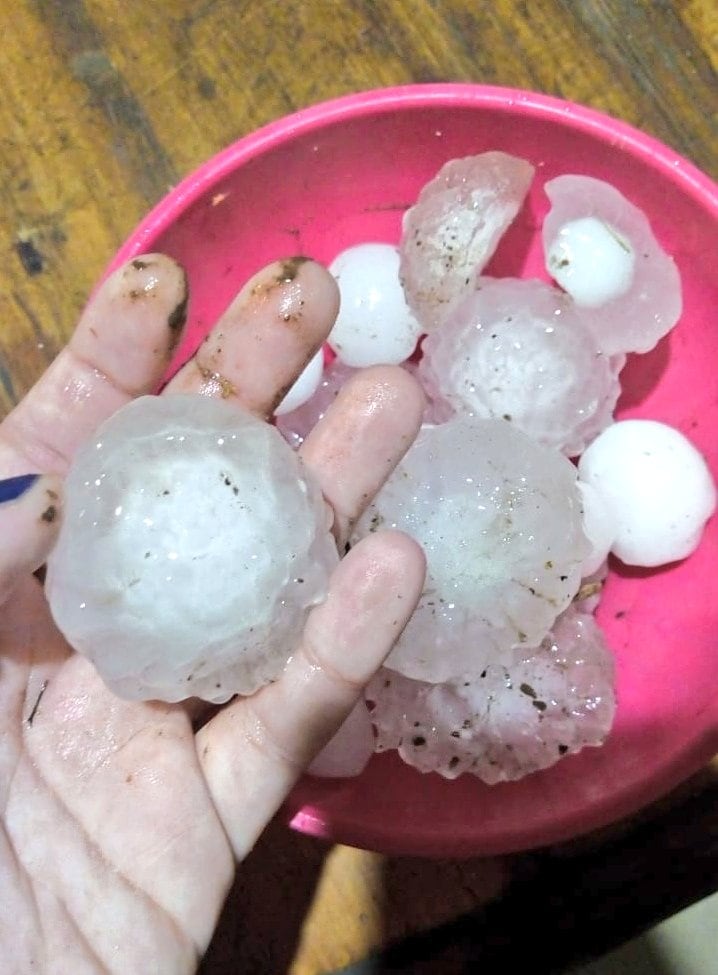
x,y
106,104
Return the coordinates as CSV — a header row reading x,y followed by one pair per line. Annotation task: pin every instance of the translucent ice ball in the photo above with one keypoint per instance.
x,y
193,545
601,248
518,350
500,520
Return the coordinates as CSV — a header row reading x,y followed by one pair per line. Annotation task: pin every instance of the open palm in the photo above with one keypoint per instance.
x,y
121,826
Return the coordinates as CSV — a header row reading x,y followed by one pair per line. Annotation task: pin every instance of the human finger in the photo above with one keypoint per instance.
x,y
254,750
265,338
361,438
120,349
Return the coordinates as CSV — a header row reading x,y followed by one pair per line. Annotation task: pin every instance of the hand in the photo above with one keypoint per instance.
x,y
121,826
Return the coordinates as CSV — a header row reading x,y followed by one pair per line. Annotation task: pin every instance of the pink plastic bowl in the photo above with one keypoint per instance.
x,y
344,172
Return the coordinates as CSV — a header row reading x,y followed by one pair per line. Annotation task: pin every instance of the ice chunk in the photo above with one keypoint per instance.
x,y
657,487
633,318
500,520
509,719
375,326
193,545
517,350
452,231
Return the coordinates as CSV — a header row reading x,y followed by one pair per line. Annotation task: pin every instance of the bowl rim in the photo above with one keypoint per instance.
x,y
687,760
690,755
568,114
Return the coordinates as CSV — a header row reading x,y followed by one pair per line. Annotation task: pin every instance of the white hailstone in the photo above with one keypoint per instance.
x,y
375,326
591,261
295,426
305,387
193,545
499,518
509,719
517,350
599,527
633,316
349,751
452,231
657,487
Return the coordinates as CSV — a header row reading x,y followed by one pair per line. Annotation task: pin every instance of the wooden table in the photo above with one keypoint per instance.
x,y
103,106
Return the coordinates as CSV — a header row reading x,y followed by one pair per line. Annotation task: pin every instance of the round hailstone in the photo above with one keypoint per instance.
x,y
452,231
509,719
305,387
657,487
349,751
192,547
599,527
601,249
295,426
591,261
375,326
517,350
499,518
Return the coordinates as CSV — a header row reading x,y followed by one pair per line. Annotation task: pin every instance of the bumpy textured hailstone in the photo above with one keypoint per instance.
x,y
193,545
375,326
295,426
657,487
637,316
509,719
517,349
452,231
500,520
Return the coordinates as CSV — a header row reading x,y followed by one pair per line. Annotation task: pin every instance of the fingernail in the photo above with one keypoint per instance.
x,y
12,488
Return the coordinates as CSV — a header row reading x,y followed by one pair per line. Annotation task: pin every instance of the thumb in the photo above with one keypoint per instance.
x,y
30,509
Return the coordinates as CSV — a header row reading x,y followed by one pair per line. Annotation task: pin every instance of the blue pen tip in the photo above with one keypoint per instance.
x,y
12,488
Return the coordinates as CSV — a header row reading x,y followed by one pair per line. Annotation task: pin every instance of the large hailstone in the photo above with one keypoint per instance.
x,y
656,487
500,520
453,229
517,350
600,248
509,719
193,545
